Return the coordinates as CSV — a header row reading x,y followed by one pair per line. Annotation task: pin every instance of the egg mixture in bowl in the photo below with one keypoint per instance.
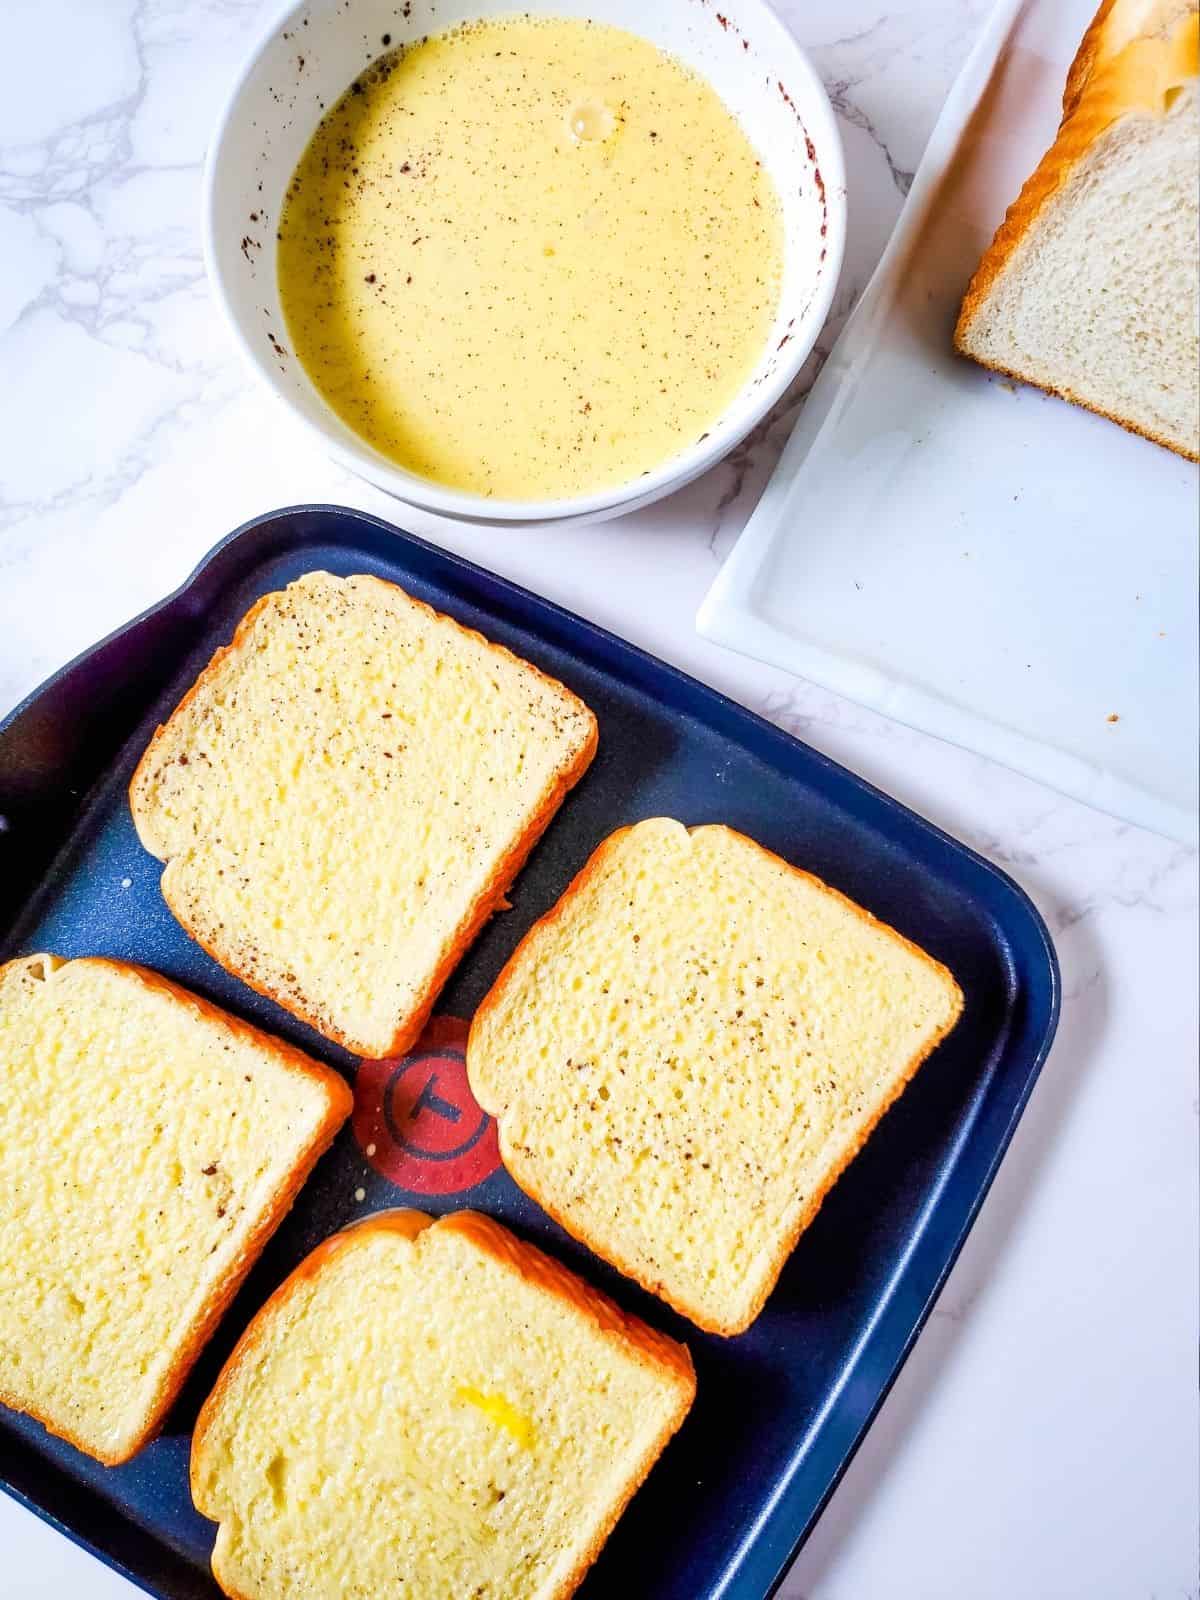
x,y
524,264
529,257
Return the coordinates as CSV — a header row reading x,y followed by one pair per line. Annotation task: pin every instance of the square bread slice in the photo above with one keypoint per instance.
x,y
149,1147
688,1049
346,793
434,1410
1091,287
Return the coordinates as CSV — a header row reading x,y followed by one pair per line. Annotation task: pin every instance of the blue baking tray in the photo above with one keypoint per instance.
x,y
781,1408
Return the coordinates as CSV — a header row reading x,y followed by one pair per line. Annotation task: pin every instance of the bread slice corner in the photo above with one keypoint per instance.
x,y
152,1144
686,1052
482,1410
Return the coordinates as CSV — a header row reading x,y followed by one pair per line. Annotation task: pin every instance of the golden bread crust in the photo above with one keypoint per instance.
x,y
1106,81
527,1180
341,1102
490,899
647,1346
1092,49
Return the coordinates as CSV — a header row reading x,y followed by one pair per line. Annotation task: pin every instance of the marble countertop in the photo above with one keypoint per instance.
x,y
1042,1438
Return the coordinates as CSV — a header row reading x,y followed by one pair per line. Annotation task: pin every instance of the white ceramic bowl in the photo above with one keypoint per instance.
x,y
316,49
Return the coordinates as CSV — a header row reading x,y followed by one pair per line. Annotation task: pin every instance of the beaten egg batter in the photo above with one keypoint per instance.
x,y
529,257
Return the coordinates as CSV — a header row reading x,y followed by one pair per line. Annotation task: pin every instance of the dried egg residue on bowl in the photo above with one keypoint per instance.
x,y
529,258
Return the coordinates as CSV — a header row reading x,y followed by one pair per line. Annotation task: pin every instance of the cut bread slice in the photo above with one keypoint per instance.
x,y
688,1049
433,1410
346,793
151,1145
1091,287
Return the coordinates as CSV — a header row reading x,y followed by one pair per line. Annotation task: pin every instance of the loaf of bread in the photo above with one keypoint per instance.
x,y
344,796
431,1410
1091,287
688,1049
150,1146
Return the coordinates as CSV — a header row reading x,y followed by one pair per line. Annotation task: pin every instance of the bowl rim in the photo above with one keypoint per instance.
x,y
745,411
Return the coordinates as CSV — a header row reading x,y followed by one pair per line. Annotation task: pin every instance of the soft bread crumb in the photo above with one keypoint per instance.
x,y
150,1146
684,1054
1091,288
344,796
433,1410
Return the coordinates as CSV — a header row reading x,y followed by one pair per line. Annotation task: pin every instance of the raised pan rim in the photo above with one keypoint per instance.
x,y
722,705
